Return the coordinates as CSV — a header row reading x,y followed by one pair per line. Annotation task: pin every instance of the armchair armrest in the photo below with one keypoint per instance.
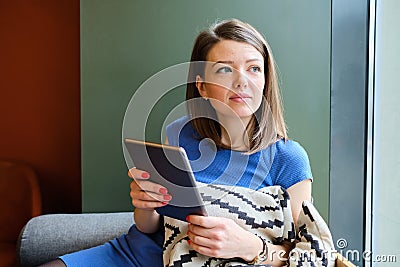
x,y
48,236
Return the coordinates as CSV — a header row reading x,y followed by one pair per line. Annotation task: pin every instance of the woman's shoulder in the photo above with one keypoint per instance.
x,y
284,153
290,164
290,150
177,125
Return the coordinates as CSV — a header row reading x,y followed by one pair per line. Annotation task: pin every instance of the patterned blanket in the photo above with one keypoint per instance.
x,y
266,213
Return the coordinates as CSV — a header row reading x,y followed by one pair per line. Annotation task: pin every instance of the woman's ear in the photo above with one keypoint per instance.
x,y
200,86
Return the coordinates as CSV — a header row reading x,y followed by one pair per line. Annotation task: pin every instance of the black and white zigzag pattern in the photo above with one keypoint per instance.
x,y
266,213
314,244
174,233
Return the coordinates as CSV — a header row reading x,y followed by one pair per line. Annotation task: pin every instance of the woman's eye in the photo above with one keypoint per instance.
x,y
224,70
255,69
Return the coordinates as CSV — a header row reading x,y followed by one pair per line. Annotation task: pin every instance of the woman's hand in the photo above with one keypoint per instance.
x,y
147,195
221,238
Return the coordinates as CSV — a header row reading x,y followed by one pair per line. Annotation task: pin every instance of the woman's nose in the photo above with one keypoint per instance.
x,y
241,80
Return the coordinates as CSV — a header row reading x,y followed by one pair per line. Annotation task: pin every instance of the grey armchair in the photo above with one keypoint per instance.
x,y
47,236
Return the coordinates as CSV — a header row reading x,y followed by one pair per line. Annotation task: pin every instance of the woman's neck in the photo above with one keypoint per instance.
x,y
234,132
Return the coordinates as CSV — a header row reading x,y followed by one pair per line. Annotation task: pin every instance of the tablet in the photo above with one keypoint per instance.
x,y
169,166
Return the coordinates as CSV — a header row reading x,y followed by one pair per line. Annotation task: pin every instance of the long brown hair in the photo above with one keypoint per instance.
x,y
267,119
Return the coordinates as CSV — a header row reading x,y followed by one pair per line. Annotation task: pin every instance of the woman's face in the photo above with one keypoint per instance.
x,y
234,79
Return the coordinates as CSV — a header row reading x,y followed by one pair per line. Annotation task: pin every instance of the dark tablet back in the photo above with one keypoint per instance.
x,y
170,167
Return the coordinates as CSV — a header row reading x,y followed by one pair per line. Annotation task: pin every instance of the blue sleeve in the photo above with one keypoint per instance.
x,y
292,164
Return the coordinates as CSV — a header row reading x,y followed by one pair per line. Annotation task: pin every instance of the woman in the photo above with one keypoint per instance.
x,y
238,110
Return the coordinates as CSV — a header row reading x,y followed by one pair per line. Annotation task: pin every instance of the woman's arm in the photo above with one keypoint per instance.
x,y
147,221
298,193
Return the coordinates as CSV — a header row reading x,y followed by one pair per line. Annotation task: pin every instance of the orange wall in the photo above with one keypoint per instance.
x,y
40,95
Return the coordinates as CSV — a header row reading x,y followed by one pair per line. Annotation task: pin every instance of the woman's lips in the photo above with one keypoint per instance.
x,y
240,98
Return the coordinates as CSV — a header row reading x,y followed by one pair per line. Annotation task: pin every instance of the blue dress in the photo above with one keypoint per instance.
x,y
283,163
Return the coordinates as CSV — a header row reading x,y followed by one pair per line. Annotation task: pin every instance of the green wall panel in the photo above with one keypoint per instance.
x,y
123,43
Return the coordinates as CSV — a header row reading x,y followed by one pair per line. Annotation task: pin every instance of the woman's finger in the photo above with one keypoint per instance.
x,y
200,240
149,186
149,196
211,252
147,204
204,221
200,231
138,174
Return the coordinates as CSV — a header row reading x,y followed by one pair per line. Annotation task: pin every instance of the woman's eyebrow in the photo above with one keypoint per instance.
x,y
231,62
222,62
253,59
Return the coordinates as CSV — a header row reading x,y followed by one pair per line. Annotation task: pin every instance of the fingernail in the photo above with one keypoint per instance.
x,y
167,197
163,191
188,242
164,203
187,218
145,175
